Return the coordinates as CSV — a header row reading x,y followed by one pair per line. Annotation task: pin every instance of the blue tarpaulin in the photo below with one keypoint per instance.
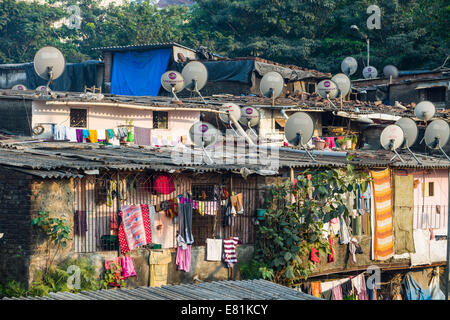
x,y
139,73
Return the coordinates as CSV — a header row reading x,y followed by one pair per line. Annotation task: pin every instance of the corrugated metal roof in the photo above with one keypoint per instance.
x,y
217,290
144,46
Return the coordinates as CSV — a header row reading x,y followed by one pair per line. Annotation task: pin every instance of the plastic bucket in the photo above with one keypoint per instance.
x,y
260,214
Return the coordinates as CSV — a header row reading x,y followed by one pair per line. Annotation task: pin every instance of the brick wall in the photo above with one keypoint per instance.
x,y
15,224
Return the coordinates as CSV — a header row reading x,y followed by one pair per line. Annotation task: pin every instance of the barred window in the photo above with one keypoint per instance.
x,y
160,120
78,118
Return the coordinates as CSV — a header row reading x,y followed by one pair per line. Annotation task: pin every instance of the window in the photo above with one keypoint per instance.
x,y
78,118
310,87
428,189
160,120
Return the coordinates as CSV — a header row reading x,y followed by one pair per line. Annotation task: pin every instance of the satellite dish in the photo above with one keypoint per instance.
x,y
349,66
343,82
49,64
271,85
437,134
410,133
172,81
390,71
370,72
249,116
195,76
203,134
424,110
299,129
232,110
327,89
392,138
19,87
41,89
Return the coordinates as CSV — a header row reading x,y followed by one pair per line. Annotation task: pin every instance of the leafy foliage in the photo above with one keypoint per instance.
x,y
293,224
113,277
12,288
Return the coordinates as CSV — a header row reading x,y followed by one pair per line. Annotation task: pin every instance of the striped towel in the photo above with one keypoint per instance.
x,y
383,235
229,251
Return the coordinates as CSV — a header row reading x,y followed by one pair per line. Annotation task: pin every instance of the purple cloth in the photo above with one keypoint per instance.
x,y
79,135
337,293
142,136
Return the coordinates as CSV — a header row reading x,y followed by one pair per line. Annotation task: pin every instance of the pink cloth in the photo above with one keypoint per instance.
x,y
330,142
127,267
135,229
183,259
337,293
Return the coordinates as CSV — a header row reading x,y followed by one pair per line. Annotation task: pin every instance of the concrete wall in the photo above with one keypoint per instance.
x,y
110,117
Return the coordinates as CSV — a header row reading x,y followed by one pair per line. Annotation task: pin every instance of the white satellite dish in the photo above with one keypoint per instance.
x,y
203,134
172,81
299,129
49,64
250,118
392,138
19,87
343,82
390,71
349,66
232,116
424,110
271,85
410,133
41,89
437,134
327,89
195,76
370,72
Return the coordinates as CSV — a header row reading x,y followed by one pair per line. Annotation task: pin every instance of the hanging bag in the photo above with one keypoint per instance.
x,y
127,267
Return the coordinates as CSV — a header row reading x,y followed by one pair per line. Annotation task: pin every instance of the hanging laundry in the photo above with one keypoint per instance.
x,y
122,132
315,288
327,295
70,134
236,202
135,230
228,218
93,136
229,251
162,184
127,267
416,286
185,220
347,288
214,249
315,255
403,214
344,236
59,132
85,134
334,226
183,259
111,192
331,255
162,229
383,235
80,223
354,248
114,225
130,135
359,284
173,208
211,208
79,133
101,135
142,136
337,293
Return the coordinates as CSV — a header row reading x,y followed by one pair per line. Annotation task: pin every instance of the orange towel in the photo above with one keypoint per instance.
x,y
316,289
93,136
383,235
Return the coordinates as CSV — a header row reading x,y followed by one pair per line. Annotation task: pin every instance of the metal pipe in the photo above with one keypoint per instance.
x,y
368,51
316,152
283,113
241,131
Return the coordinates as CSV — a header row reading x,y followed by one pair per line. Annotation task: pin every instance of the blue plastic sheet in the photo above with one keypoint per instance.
x,y
139,73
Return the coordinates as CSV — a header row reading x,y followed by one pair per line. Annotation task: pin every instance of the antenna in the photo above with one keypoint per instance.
x,y
390,72
410,133
370,72
437,134
250,118
299,129
195,77
49,64
172,81
343,83
424,110
19,87
392,138
327,89
271,85
203,134
349,66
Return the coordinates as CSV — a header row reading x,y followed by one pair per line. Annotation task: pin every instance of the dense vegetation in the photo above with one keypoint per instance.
x,y
414,34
